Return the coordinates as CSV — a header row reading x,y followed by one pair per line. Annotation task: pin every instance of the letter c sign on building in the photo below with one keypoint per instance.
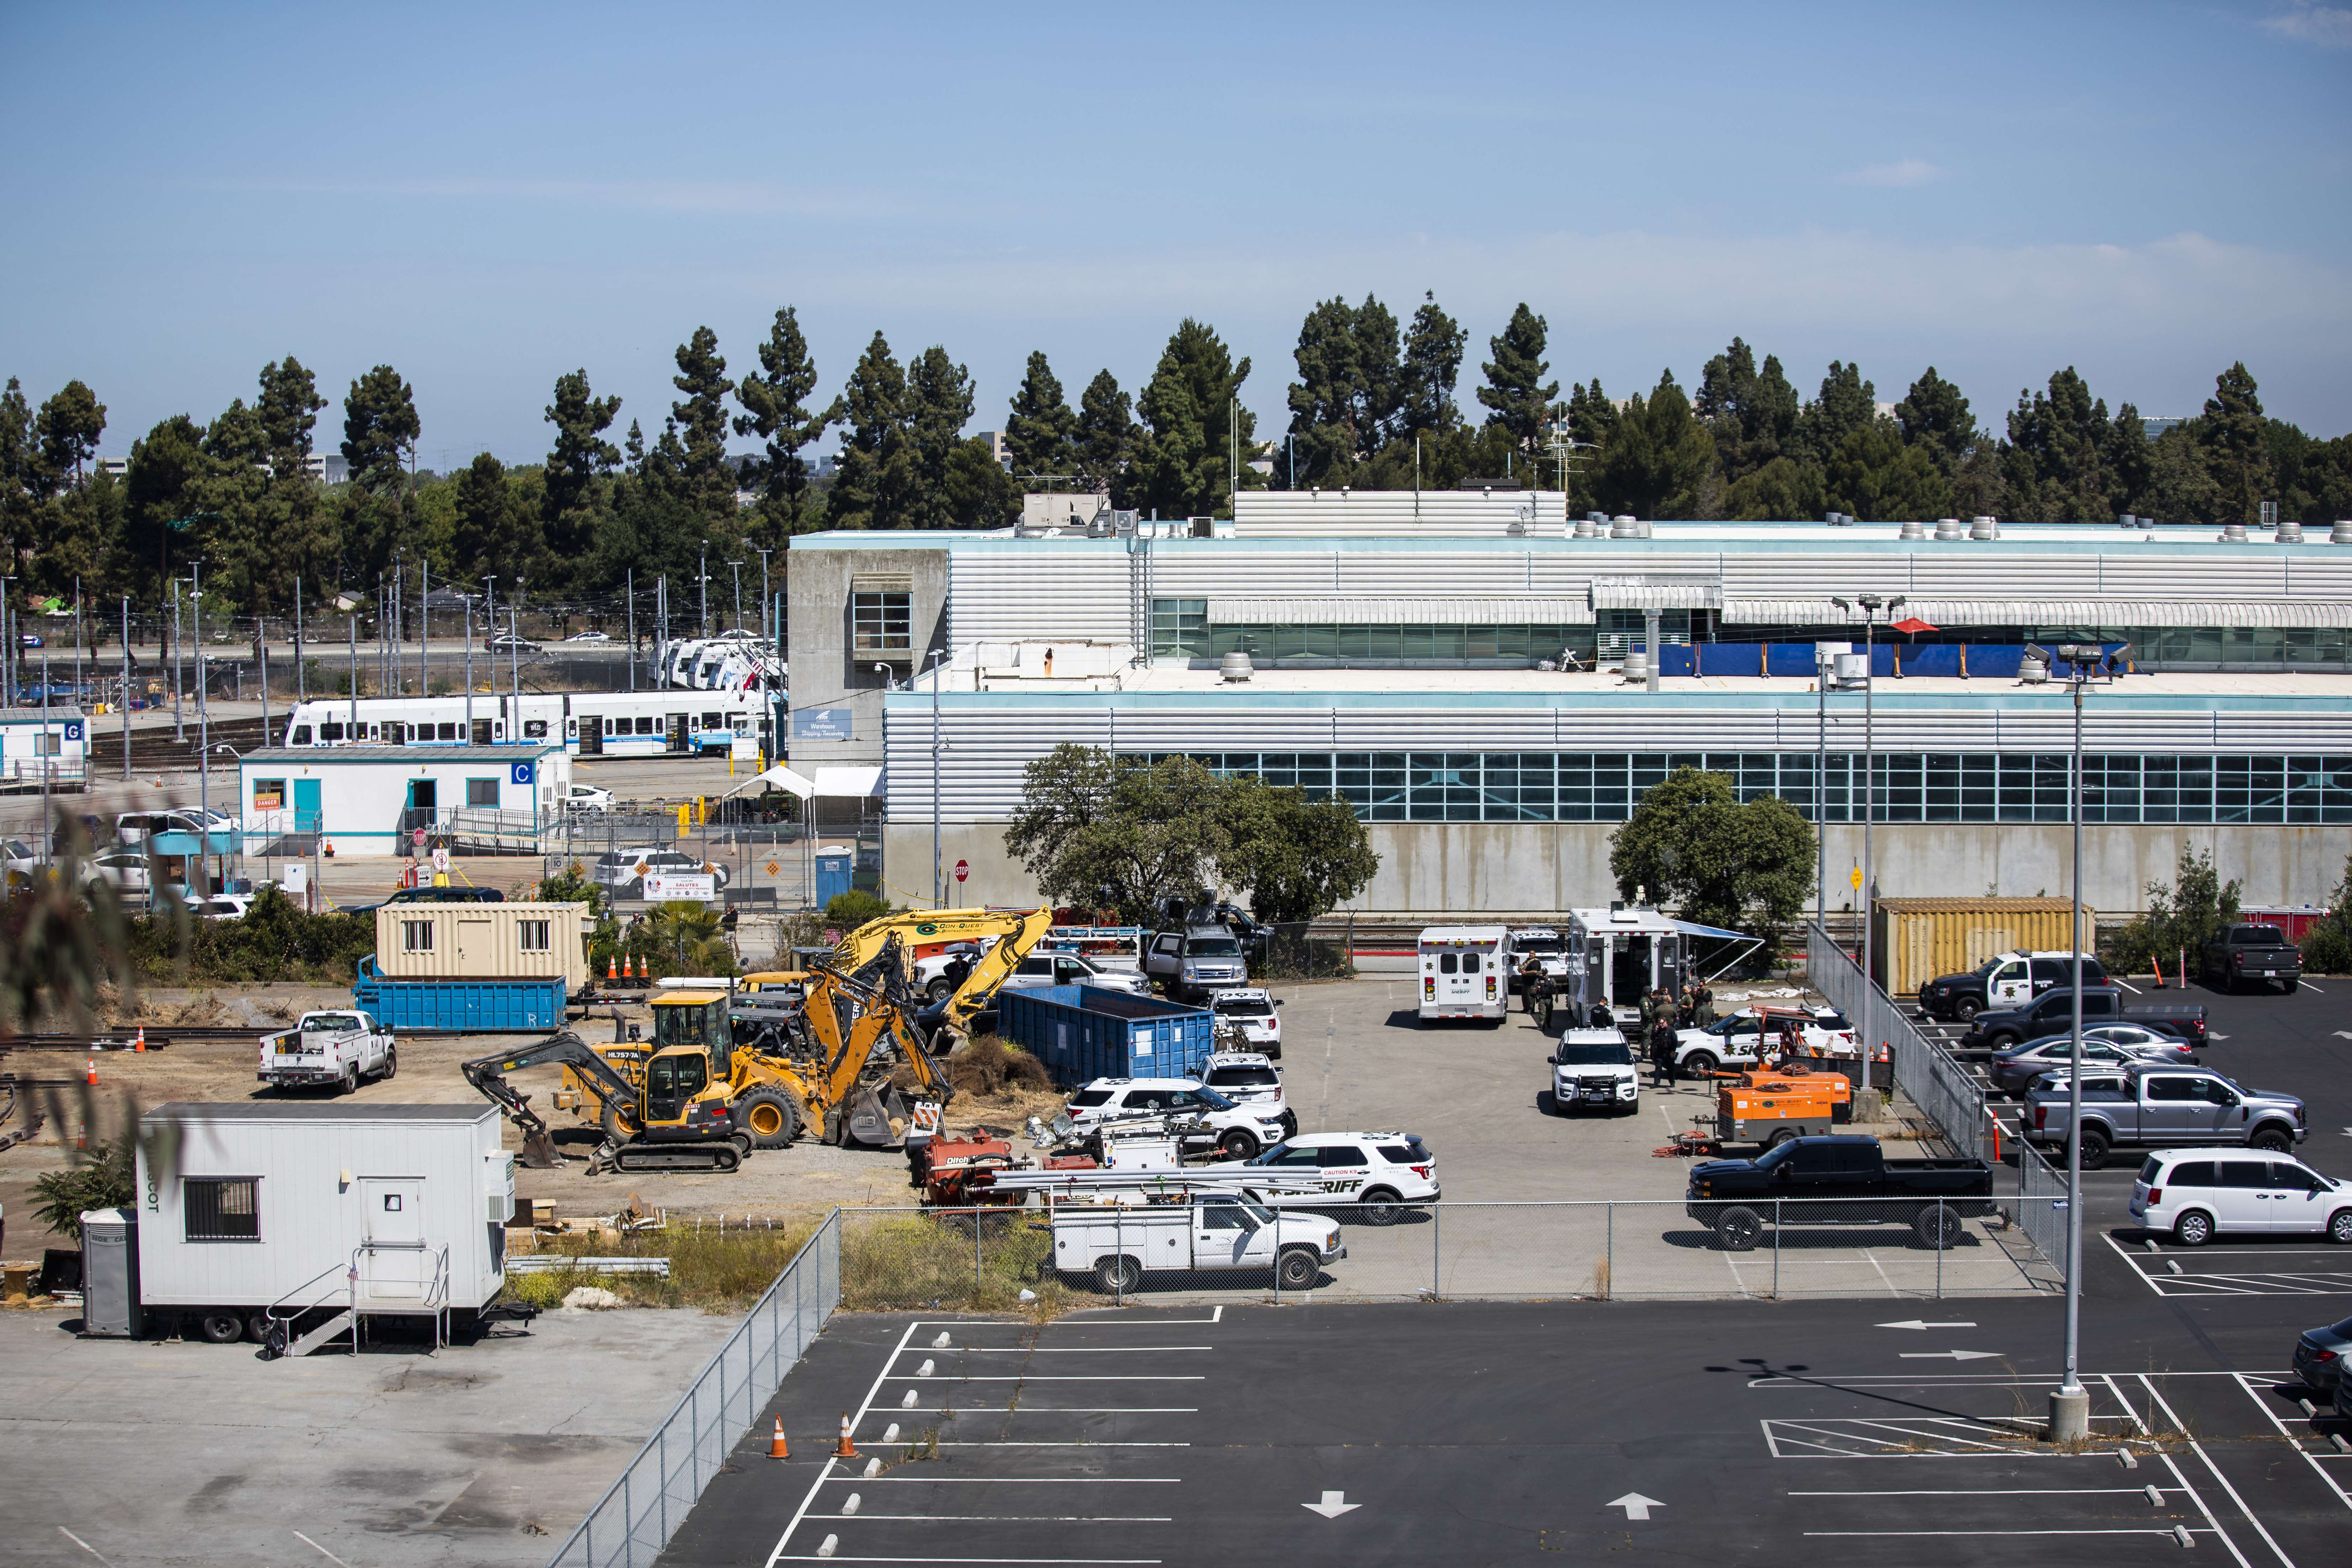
x,y
521,772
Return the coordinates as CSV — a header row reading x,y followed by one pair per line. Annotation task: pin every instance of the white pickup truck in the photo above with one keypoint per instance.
x,y
1118,1244
338,1048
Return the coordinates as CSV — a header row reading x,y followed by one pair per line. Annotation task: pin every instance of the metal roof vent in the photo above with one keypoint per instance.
x,y
2290,533
1637,664
1624,526
2233,533
2342,533
1950,528
1839,520
1914,530
1588,529
1235,666
2032,669
1985,528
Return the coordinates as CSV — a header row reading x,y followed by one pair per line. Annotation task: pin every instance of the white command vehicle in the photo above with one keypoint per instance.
x,y
1249,1013
1545,946
1371,1175
1464,972
1739,1039
2195,1193
1118,1244
1592,1069
1201,1116
337,1048
1250,1080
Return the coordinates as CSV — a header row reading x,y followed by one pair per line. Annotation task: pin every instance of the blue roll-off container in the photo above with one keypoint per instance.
x,y
475,1007
1083,1032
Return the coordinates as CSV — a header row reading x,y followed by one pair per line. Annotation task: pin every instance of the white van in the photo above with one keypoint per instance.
x,y
1466,973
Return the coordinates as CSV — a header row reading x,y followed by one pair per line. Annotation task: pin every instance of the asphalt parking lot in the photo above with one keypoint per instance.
x,y
1497,1432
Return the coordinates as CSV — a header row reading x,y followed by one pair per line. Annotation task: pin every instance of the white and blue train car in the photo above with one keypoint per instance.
x,y
590,723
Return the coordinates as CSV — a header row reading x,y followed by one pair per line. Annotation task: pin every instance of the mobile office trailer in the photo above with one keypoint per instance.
x,y
1617,956
1466,973
307,1215
485,941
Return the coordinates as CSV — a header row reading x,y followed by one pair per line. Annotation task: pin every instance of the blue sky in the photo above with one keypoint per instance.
x,y
488,196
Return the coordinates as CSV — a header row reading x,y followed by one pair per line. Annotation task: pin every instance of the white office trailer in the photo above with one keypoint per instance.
x,y
374,800
586,723
37,744
310,1219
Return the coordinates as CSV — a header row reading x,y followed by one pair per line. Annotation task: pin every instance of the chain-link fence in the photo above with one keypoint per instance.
x,y
1936,1082
2042,1202
1299,949
635,1519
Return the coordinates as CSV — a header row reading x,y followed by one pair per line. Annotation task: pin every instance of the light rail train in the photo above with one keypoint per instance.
x,y
591,723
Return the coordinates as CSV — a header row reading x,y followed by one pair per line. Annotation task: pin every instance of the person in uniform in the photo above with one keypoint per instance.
x,y
1662,1052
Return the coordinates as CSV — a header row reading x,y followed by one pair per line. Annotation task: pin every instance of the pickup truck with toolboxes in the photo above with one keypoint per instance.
x,y
338,1048
2167,1108
2055,1010
1737,1199
1118,1244
2257,953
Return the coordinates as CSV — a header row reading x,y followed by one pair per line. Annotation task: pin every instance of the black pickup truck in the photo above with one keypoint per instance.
x,y
2053,1011
2256,952
1738,1198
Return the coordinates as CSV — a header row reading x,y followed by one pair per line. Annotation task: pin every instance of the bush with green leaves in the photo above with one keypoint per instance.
x,y
276,941
108,1178
849,910
2180,919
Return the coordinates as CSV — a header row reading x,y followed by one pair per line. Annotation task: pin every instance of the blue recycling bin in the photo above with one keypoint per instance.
x,y
832,876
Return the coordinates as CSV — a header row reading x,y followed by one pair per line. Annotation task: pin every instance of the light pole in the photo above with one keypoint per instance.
x,y
490,628
1823,668
703,587
939,882
1870,604
204,728
737,568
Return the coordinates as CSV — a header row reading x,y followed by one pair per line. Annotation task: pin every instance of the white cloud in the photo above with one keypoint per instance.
x,y
1908,172
2330,26
700,198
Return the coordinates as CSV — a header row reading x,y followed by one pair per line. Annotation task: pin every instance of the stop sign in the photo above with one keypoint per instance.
x,y
963,870
417,835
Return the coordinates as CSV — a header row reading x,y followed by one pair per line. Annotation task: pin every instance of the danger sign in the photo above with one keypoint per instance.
x,y
775,868
963,870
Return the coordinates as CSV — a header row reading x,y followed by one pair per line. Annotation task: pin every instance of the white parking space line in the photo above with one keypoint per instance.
x,y
2247,1282
2223,1481
1023,1518
1066,1349
2307,985
1047,1410
2269,1408
838,1557
1043,1377
1993,1492
2136,1530
825,1474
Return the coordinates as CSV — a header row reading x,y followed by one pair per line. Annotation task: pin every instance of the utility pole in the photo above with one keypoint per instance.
x,y
470,670
424,629
179,733
939,881
702,585
126,688
351,623
514,657
301,691
490,629
1233,455
633,628
204,729
737,568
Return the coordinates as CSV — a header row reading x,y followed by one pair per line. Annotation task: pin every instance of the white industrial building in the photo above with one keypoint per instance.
x,y
372,800
1452,675
37,743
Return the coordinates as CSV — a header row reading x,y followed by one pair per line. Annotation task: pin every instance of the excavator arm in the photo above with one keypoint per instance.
x,y
489,1077
860,1022
1016,931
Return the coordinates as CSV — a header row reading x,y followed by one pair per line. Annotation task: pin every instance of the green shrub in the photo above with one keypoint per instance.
x,y
2326,950
106,1179
276,941
849,910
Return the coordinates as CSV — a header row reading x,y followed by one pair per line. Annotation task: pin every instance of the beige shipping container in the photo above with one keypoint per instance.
x,y
1914,940
484,942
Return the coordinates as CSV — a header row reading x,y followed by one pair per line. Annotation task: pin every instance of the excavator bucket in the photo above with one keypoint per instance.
x,y
539,1152
870,1120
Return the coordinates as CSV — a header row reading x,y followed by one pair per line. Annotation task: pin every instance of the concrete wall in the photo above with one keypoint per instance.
x,y
825,673
1439,868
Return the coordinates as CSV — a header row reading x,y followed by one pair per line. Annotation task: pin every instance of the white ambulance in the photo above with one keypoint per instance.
x,y
1466,973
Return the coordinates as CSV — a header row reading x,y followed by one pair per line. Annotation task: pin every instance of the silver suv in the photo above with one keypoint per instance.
x,y
1195,961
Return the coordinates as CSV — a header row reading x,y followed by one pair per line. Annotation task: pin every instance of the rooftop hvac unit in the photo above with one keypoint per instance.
x,y
1235,666
1950,528
2233,533
2290,533
1985,528
1914,530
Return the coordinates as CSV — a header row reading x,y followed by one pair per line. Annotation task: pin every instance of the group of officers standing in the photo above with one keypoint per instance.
x,y
1662,1015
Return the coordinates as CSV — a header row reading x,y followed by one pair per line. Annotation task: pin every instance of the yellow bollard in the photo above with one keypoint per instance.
x,y
684,817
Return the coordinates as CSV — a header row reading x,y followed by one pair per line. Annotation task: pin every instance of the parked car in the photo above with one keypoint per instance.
x,y
1592,1069
1541,943
1240,1130
586,797
590,637
1066,969
1250,1080
451,895
1736,1198
2015,1069
2198,1195
2055,1010
507,642
1738,1038
1118,1244
1370,1176
2009,980
622,872
2319,1354
224,906
1192,961
30,639
338,1048
2253,953
1253,1015
2163,1107
127,872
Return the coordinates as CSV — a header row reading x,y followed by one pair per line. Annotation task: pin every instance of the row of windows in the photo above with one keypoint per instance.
x,y
530,936
882,622
395,733
1604,786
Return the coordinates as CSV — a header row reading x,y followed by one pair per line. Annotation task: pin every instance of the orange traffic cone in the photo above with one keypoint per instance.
x,y
612,971
138,1041
777,1447
90,1072
845,1449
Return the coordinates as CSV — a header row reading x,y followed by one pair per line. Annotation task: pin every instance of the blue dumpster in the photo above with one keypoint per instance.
x,y
1083,1032
486,1006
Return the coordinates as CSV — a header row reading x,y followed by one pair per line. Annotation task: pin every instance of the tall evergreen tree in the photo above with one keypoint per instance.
x,y
2231,440
67,429
577,463
1181,463
1875,475
2061,459
1935,417
1516,394
873,486
1105,437
490,532
939,406
19,457
1657,456
707,479
1325,400
1431,370
1041,433
289,410
1751,414
380,430
163,484
1846,403
776,410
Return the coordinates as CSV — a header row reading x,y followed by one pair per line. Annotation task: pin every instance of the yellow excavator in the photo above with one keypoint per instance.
x,y
953,1004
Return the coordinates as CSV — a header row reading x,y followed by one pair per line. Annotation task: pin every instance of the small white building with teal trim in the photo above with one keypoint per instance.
x,y
370,800
34,740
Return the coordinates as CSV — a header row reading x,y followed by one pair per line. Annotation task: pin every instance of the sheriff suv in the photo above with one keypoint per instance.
x,y
1368,1176
1249,1079
2010,980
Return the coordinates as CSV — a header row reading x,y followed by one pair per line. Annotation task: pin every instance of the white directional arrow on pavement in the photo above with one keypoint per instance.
x,y
1333,1505
1636,1505
1950,1355
1916,1323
